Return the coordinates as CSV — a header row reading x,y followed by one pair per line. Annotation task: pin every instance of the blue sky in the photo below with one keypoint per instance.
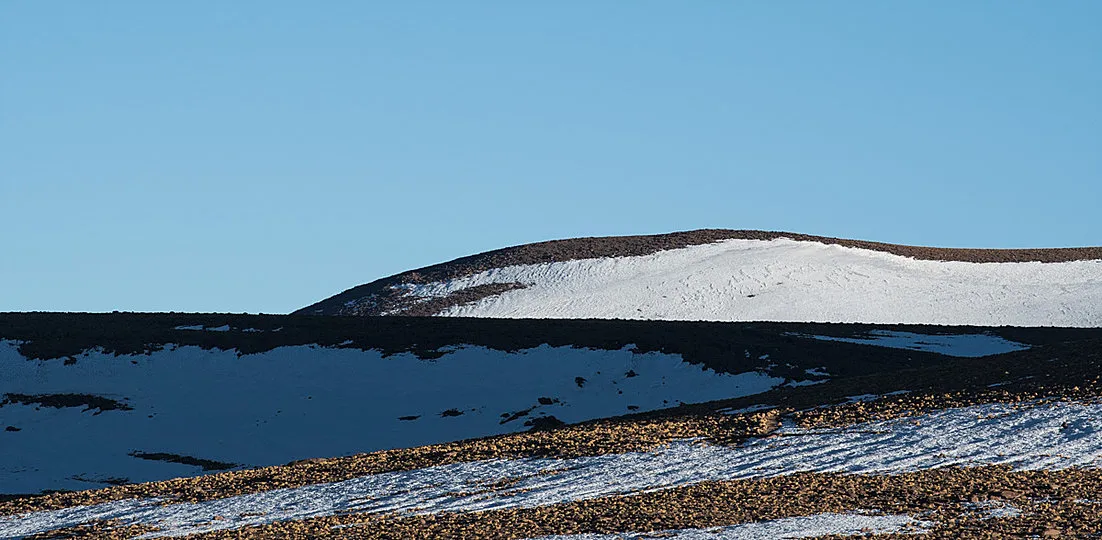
x,y
257,156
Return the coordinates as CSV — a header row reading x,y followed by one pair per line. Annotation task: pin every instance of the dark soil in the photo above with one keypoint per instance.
x,y
385,296
61,401
205,464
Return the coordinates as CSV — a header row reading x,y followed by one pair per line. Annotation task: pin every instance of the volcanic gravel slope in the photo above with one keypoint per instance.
x,y
149,397
952,432
746,275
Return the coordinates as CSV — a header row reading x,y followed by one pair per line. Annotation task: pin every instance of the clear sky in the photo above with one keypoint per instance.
x,y
257,156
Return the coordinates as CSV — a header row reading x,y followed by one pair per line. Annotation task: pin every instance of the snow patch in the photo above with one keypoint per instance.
x,y
995,509
959,345
199,327
750,409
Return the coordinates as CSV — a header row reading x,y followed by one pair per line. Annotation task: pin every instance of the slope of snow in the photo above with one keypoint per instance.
x,y
960,345
797,527
787,280
300,402
1027,436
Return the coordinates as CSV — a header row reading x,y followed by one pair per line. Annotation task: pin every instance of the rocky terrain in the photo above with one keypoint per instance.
x,y
763,430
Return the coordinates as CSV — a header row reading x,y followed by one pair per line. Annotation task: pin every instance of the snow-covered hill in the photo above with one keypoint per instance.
x,y
773,277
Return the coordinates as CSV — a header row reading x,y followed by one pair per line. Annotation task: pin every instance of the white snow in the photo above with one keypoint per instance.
x,y
307,401
223,328
852,524
960,345
1028,436
744,410
788,280
995,509
868,397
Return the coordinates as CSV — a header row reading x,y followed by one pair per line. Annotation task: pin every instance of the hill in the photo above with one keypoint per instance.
x,y
726,275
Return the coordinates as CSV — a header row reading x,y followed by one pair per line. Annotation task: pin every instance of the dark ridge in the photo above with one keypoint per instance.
x,y
385,296
722,346
62,401
205,464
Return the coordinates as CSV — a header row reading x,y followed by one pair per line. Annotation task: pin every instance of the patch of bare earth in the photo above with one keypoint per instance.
x,y
61,401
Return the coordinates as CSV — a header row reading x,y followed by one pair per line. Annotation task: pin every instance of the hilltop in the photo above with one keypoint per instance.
x,y
738,275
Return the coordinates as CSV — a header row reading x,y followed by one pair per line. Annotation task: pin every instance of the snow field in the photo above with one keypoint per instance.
x,y
1027,436
788,280
300,402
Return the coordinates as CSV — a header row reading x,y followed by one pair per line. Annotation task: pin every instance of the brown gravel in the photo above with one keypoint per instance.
x,y
380,297
1048,500
109,529
908,405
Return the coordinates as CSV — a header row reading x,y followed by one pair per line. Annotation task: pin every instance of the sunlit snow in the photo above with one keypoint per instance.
x,y
1028,436
787,280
